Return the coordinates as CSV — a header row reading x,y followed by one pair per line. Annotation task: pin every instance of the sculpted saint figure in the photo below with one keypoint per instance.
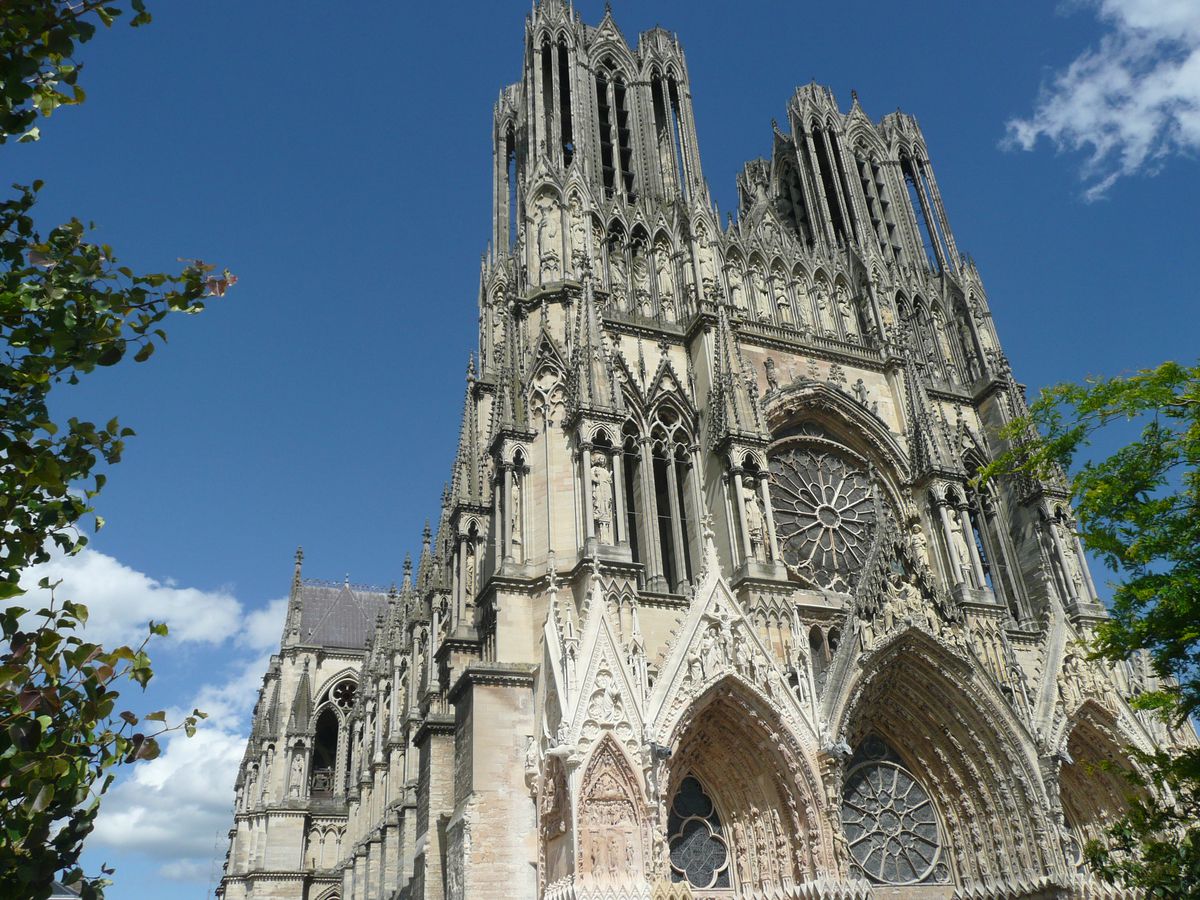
x,y
754,521
548,241
602,498
297,774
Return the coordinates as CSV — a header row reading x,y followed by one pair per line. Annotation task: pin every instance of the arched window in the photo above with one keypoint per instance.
x,y
325,752
697,844
889,819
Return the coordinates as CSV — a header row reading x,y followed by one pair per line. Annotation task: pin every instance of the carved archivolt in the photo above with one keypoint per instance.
x,y
761,813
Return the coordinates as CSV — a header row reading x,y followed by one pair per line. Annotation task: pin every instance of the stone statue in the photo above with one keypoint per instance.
x,y
641,284
514,523
860,392
548,236
772,377
754,522
579,232
920,544
618,275
959,541
847,314
297,778
666,279
602,498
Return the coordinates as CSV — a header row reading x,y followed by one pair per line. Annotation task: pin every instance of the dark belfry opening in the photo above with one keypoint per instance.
x,y
845,183
607,163
564,105
791,200
677,134
874,188
324,760
510,176
924,226
548,94
825,168
623,139
662,130
670,568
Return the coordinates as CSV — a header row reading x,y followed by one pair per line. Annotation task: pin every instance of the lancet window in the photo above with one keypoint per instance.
x,y
661,498
331,743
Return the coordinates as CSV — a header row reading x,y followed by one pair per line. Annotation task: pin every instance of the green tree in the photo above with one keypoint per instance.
x,y
67,307
1139,512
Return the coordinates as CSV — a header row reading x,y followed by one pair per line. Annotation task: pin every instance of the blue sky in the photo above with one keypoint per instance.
x,y
338,160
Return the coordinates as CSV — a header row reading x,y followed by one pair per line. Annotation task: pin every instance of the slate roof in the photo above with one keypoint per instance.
x,y
339,615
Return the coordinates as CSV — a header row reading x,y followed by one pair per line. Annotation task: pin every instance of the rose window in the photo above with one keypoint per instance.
x,y
825,515
890,824
697,846
343,693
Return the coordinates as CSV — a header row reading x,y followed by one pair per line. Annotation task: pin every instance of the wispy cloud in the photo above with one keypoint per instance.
x,y
1129,102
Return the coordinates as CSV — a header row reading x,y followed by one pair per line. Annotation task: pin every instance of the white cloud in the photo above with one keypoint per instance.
x,y
1128,103
264,626
177,808
121,601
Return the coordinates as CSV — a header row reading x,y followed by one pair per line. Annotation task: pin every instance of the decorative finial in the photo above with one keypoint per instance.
x,y
426,535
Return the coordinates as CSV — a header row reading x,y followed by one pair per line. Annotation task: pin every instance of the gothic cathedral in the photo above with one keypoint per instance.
x,y
714,607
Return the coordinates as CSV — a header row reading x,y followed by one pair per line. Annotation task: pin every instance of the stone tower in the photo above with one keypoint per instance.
x,y
713,608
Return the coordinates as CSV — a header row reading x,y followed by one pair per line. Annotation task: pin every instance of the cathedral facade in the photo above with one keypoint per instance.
x,y
714,606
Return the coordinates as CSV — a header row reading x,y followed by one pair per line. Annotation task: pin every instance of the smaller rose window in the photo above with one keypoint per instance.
x,y
890,824
699,854
343,693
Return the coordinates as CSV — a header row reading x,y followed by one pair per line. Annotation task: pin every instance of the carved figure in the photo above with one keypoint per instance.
x,y
297,778
772,377
602,498
754,522
548,236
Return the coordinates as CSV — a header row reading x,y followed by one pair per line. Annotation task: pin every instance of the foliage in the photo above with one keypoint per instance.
x,y
66,308
1139,512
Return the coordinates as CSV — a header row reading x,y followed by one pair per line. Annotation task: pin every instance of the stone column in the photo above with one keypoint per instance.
x,y
505,529
589,522
1087,572
650,515
743,528
621,513
676,525
770,517
1068,585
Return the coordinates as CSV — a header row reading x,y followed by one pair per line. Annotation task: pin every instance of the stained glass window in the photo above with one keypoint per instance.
x,y
889,820
699,854
825,514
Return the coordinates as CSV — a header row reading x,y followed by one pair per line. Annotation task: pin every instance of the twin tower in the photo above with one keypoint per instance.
x,y
714,607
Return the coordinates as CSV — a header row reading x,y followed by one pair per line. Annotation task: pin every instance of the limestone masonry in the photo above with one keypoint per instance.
x,y
712,608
